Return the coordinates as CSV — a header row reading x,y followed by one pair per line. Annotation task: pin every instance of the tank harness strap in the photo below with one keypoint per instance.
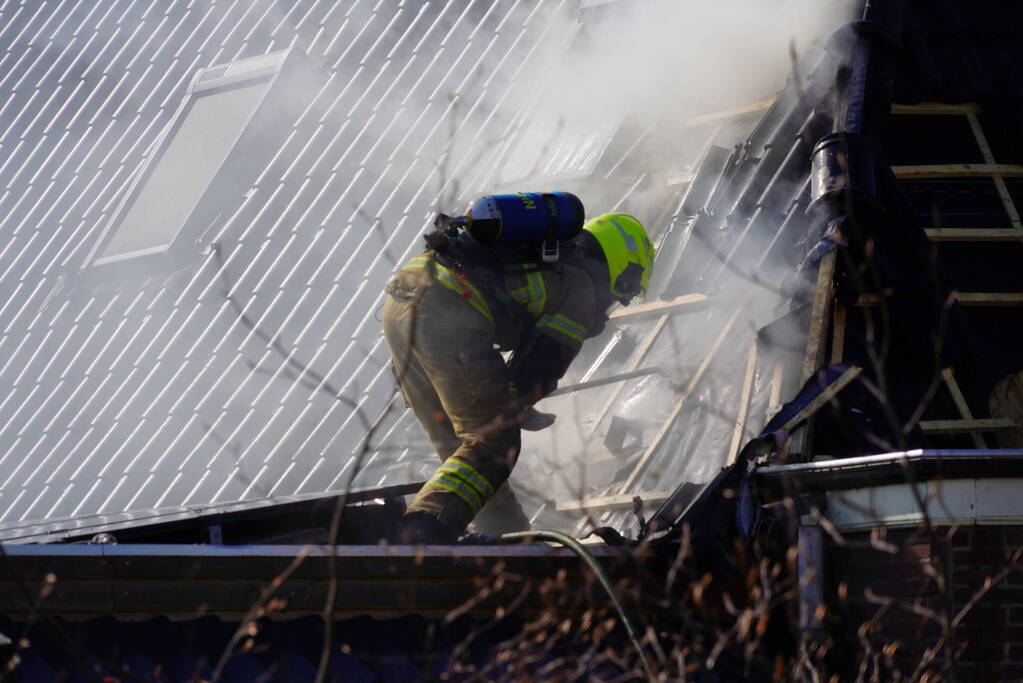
x,y
454,280
491,284
552,217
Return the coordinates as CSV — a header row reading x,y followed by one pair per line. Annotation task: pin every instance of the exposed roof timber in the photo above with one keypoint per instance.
x,y
989,158
811,408
936,108
693,382
964,298
966,426
687,303
637,357
952,384
816,341
838,340
604,381
974,234
739,433
933,108
958,171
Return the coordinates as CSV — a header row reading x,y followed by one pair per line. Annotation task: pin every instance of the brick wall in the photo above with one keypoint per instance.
x,y
887,593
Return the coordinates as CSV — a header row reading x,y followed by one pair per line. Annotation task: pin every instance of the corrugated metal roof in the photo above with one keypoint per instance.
x,y
188,388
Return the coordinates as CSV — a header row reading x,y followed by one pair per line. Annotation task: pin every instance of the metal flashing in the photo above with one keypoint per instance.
x,y
884,468
945,502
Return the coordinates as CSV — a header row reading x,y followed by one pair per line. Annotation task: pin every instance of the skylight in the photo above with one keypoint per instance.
x,y
224,131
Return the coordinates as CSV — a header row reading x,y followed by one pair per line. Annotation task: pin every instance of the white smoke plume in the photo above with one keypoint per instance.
x,y
636,75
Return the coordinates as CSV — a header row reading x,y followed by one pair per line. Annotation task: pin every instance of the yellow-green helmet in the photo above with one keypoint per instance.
x,y
627,250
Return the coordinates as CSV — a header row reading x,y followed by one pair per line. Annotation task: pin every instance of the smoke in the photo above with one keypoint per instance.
x,y
622,120
687,58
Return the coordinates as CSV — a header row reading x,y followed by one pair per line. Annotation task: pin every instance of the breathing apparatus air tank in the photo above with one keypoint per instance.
x,y
521,220
525,217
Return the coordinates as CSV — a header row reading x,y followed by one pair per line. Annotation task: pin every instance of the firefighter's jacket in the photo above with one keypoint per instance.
x,y
555,308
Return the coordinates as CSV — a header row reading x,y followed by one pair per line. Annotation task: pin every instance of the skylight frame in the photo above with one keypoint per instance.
x,y
205,82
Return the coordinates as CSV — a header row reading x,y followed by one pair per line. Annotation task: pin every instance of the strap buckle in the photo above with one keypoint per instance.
x,y
550,251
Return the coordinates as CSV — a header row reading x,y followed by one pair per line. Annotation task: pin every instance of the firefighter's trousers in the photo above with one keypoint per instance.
x,y
459,388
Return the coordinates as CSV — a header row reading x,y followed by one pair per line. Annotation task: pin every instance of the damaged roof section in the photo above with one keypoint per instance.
x,y
906,304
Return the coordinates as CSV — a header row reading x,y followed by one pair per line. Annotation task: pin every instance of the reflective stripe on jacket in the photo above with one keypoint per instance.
x,y
459,284
560,300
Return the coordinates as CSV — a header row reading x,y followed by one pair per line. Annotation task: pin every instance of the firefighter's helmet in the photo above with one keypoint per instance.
x,y
627,250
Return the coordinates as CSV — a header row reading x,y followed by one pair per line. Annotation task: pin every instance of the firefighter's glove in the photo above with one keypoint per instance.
x,y
533,420
521,411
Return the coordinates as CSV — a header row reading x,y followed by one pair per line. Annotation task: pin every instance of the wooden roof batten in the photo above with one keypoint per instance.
x,y
965,423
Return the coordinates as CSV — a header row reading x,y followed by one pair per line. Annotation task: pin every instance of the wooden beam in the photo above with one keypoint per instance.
x,y
663,309
815,341
975,234
740,418
961,405
964,298
588,519
838,334
621,501
959,171
679,181
989,157
816,345
687,303
966,426
667,424
936,108
802,442
604,381
990,298
818,402
732,113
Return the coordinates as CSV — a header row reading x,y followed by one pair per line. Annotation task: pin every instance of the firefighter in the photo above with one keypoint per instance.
x,y
445,332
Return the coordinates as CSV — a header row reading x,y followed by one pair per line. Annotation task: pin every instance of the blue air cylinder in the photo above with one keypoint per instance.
x,y
525,217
